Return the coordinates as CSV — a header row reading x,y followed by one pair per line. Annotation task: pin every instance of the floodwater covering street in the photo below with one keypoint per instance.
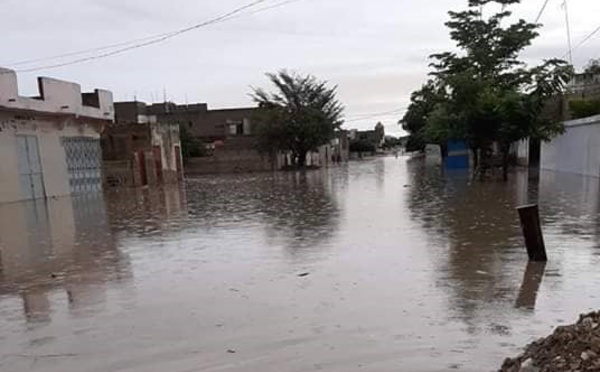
x,y
379,265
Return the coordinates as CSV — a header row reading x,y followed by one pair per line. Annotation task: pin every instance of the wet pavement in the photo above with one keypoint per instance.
x,y
380,265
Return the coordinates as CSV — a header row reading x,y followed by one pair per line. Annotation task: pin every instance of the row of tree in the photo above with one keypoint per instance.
x,y
484,94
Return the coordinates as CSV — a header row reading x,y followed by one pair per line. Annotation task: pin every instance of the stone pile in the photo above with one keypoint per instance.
x,y
573,348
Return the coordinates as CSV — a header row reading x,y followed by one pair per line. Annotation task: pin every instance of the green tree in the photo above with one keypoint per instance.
x,y
583,108
299,117
191,147
423,103
487,95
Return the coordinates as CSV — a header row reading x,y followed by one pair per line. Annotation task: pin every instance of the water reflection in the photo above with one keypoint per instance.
x,y
532,279
474,227
295,207
409,268
60,244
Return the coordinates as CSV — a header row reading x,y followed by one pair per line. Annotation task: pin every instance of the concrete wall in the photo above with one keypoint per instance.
x,y
56,97
49,131
166,136
120,141
212,165
60,110
576,151
520,151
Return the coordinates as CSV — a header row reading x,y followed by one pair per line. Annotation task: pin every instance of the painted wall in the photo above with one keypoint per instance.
x,y
57,97
52,154
576,151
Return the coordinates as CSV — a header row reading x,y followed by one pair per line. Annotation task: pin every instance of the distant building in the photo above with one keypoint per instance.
x,y
141,148
584,86
50,144
209,126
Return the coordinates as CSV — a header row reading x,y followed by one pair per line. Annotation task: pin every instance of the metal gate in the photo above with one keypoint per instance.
x,y
84,163
31,179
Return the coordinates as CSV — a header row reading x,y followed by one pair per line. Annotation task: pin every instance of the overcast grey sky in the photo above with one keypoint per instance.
x,y
374,50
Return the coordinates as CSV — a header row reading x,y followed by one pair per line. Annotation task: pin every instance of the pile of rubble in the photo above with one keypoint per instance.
x,y
570,348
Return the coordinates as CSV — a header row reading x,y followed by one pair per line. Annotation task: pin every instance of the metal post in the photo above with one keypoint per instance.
x,y
532,231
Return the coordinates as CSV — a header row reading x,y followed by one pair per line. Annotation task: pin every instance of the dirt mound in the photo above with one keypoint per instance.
x,y
570,348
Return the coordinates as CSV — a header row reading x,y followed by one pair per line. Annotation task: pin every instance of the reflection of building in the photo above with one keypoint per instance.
x,y
575,151
139,149
50,144
60,243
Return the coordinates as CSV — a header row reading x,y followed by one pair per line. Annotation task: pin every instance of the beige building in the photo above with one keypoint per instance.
x,y
139,149
50,144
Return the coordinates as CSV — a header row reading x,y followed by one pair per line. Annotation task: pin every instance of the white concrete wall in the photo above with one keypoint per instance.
x,y
522,152
576,151
52,154
56,96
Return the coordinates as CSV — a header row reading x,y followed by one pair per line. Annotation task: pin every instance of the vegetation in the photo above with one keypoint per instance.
x,y
593,67
583,108
191,147
485,95
362,145
299,117
392,143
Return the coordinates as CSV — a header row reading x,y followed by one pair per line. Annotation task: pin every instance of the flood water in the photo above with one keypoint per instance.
x,y
380,265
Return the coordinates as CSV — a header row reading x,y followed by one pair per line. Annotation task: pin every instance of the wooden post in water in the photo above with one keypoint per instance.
x,y
532,231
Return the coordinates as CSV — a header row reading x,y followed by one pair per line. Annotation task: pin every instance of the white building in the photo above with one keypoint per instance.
x,y
50,144
577,150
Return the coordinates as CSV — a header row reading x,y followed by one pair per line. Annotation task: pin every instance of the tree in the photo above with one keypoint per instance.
x,y
191,147
299,117
485,94
362,145
423,103
593,67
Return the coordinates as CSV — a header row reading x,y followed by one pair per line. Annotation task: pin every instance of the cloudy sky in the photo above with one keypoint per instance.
x,y
374,50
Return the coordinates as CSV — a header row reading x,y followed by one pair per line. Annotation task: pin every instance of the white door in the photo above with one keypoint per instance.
x,y
31,179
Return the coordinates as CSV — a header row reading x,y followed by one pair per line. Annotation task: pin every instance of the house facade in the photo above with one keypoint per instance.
x,y
141,148
50,144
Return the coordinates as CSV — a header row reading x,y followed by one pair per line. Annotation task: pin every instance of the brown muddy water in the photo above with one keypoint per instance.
x,y
381,265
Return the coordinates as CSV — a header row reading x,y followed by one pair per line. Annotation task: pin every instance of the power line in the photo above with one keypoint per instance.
x,y
376,114
112,46
163,37
539,16
84,51
585,39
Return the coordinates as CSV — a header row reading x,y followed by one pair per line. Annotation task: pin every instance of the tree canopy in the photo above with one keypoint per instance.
x,y
484,94
301,115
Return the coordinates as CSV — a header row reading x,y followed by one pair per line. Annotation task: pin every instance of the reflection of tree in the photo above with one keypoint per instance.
x,y
480,226
300,207
296,206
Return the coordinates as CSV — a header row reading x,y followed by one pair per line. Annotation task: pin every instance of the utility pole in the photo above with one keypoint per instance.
x,y
568,23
